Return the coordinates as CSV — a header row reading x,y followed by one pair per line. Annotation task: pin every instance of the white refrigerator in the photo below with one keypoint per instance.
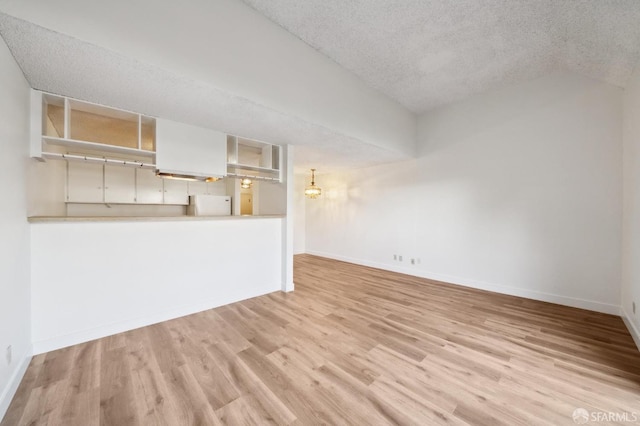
x,y
209,205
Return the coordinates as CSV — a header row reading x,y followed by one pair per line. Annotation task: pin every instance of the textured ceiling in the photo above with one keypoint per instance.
x,y
422,53
426,53
60,64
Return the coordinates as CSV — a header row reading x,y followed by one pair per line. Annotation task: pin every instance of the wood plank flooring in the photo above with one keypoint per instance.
x,y
351,346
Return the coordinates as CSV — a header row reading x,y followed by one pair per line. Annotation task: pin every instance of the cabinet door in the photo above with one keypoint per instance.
x,y
119,184
175,191
85,182
149,189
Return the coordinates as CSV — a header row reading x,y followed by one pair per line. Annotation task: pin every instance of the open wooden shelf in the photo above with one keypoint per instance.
x,y
79,145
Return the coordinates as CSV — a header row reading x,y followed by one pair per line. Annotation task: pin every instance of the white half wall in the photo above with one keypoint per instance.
x,y
93,279
15,328
631,213
516,191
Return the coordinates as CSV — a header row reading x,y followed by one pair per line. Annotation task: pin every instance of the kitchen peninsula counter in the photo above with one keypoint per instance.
x,y
52,219
96,276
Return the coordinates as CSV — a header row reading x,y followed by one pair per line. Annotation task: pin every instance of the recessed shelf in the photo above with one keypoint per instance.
x,y
71,143
245,156
59,124
252,168
253,177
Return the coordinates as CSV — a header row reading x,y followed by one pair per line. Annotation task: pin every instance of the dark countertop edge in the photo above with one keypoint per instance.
x,y
51,219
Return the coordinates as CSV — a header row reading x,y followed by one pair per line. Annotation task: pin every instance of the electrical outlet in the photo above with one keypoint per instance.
x,y
400,258
395,257
633,307
9,355
418,261
413,261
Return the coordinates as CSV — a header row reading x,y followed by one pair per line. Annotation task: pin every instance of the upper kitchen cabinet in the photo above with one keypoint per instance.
x,y
63,126
189,151
253,159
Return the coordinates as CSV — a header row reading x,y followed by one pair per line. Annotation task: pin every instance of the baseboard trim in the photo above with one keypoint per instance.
x,y
11,388
633,330
574,302
83,336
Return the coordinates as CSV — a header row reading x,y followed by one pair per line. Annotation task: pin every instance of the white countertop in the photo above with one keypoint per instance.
x,y
41,219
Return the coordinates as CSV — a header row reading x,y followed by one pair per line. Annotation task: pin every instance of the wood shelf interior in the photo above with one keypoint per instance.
x,y
94,148
80,122
252,155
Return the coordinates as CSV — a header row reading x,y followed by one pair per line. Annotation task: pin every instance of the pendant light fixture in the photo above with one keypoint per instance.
x,y
245,183
313,191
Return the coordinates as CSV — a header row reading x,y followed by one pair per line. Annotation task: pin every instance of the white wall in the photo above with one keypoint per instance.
x,y
46,188
229,45
288,224
299,219
517,190
92,279
14,229
631,213
269,198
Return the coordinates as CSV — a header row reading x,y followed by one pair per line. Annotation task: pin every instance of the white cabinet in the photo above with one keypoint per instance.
x,y
175,191
208,188
58,123
149,188
182,149
119,184
152,189
246,158
85,183
96,183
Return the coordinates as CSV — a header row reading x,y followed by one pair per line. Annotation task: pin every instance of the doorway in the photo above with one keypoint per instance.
x,y
246,203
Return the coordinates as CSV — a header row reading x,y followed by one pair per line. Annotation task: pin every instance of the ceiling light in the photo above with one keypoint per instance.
x,y
313,191
245,183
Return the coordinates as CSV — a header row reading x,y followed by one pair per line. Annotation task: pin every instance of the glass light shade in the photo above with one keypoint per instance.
x,y
245,183
313,191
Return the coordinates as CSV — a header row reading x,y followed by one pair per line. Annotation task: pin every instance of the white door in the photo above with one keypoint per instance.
x,y
84,182
119,184
149,189
246,204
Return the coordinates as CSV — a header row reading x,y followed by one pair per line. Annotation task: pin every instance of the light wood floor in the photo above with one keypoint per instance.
x,y
352,345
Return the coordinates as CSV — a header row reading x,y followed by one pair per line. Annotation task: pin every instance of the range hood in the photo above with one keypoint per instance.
x,y
189,152
193,178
